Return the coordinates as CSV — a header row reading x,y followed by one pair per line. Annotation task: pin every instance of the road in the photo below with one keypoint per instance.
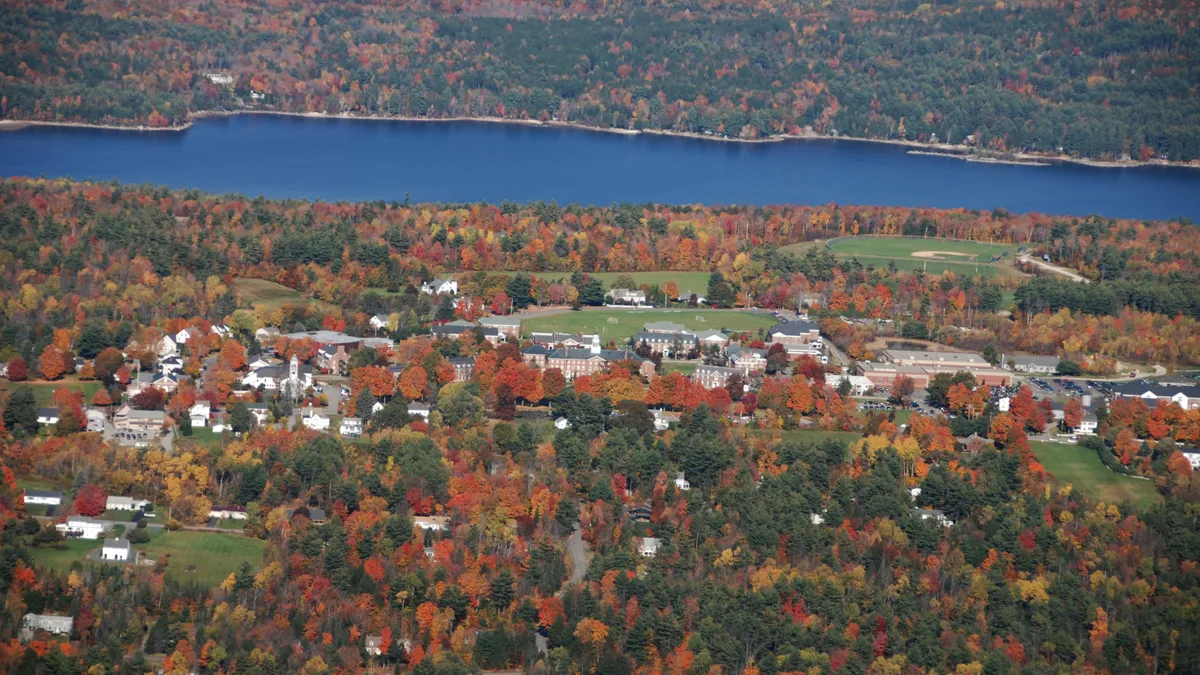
x,y
1054,269
577,549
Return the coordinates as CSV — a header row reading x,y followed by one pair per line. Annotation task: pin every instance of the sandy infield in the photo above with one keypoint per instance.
x,y
940,255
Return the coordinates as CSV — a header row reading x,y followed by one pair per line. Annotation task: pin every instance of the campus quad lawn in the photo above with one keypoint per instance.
x,y
43,392
214,555
630,321
1084,470
682,368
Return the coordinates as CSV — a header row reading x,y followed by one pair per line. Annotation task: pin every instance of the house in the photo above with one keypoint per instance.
x,y
266,334
935,515
167,347
199,414
665,343
260,412
432,523
379,322
228,513
128,419
47,416
315,516
1031,364
711,377
562,423
795,335
115,550
1088,424
661,421
664,327
626,296
263,362
648,547
81,527
373,644
509,326
1187,396
682,483
418,410
170,365
440,287
712,338
914,493
55,625
816,519
46,497
351,427
535,355
552,340
464,368
859,385
1192,455
314,420
456,329
3,368
640,513
576,362
188,334
95,419
220,330
118,503
166,382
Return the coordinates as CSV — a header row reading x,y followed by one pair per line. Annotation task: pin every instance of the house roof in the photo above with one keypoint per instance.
x,y
1049,361
665,326
47,412
463,361
327,337
43,493
1158,389
536,350
117,543
500,321
711,333
650,336
606,354
716,370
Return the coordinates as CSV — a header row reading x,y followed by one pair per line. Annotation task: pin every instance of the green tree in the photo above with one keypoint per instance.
x,y
20,412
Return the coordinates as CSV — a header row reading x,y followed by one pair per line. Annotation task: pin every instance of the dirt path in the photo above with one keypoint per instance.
x,y
1055,269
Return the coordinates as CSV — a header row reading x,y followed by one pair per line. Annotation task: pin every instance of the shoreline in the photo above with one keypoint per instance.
x,y
915,147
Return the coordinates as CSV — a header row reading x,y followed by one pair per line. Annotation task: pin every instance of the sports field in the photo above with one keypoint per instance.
x,y
43,392
935,256
621,324
1087,474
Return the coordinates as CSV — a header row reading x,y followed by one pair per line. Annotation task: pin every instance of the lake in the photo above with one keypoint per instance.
x,y
338,159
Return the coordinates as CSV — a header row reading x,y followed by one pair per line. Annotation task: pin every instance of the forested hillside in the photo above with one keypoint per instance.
x,y
1087,79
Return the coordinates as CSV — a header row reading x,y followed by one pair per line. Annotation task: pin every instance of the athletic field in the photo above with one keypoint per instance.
x,y
935,256
621,324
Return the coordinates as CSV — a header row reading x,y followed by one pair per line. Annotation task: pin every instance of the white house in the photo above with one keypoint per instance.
x,y
434,523
46,497
266,333
117,503
681,482
418,410
56,625
440,286
626,296
1004,403
227,513
562,423
220,329
315,420
816,519
115,550
167,347
648,547
199,413
187,334
1087,424
374,645
351,427
379,321
47,416
82,527
293,378
712,338
859,385
935,515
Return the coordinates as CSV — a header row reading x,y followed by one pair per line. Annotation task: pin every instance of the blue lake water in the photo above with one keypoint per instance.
x,y
335,159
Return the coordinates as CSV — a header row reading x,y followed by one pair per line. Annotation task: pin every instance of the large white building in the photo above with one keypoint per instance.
x,y
118,503
55,625
292,380
1187,396
82,527
115,550
440,286
45,497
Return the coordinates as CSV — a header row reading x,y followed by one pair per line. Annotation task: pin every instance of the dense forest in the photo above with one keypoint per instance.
x,y
1086,79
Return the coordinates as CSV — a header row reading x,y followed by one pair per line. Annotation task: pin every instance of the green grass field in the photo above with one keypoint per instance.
x,y
630,321
682,368
260,292
968,258
44,391
214,555
697,282
60,560
1083,469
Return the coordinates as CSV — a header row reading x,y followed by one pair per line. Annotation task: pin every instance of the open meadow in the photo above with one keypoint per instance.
x,y
935,256
213,555
260,292
1087,474
43,391
621,324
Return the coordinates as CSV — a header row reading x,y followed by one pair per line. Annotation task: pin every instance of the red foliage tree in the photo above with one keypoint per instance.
x,y
90,500
18,370
150,398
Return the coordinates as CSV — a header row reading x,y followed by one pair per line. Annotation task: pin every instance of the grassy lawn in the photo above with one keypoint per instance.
x,y
801,249
231,524
202,436
1084,470
214,555
696,282
257,292
43,391
967,258
684,368
61,560
628,322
